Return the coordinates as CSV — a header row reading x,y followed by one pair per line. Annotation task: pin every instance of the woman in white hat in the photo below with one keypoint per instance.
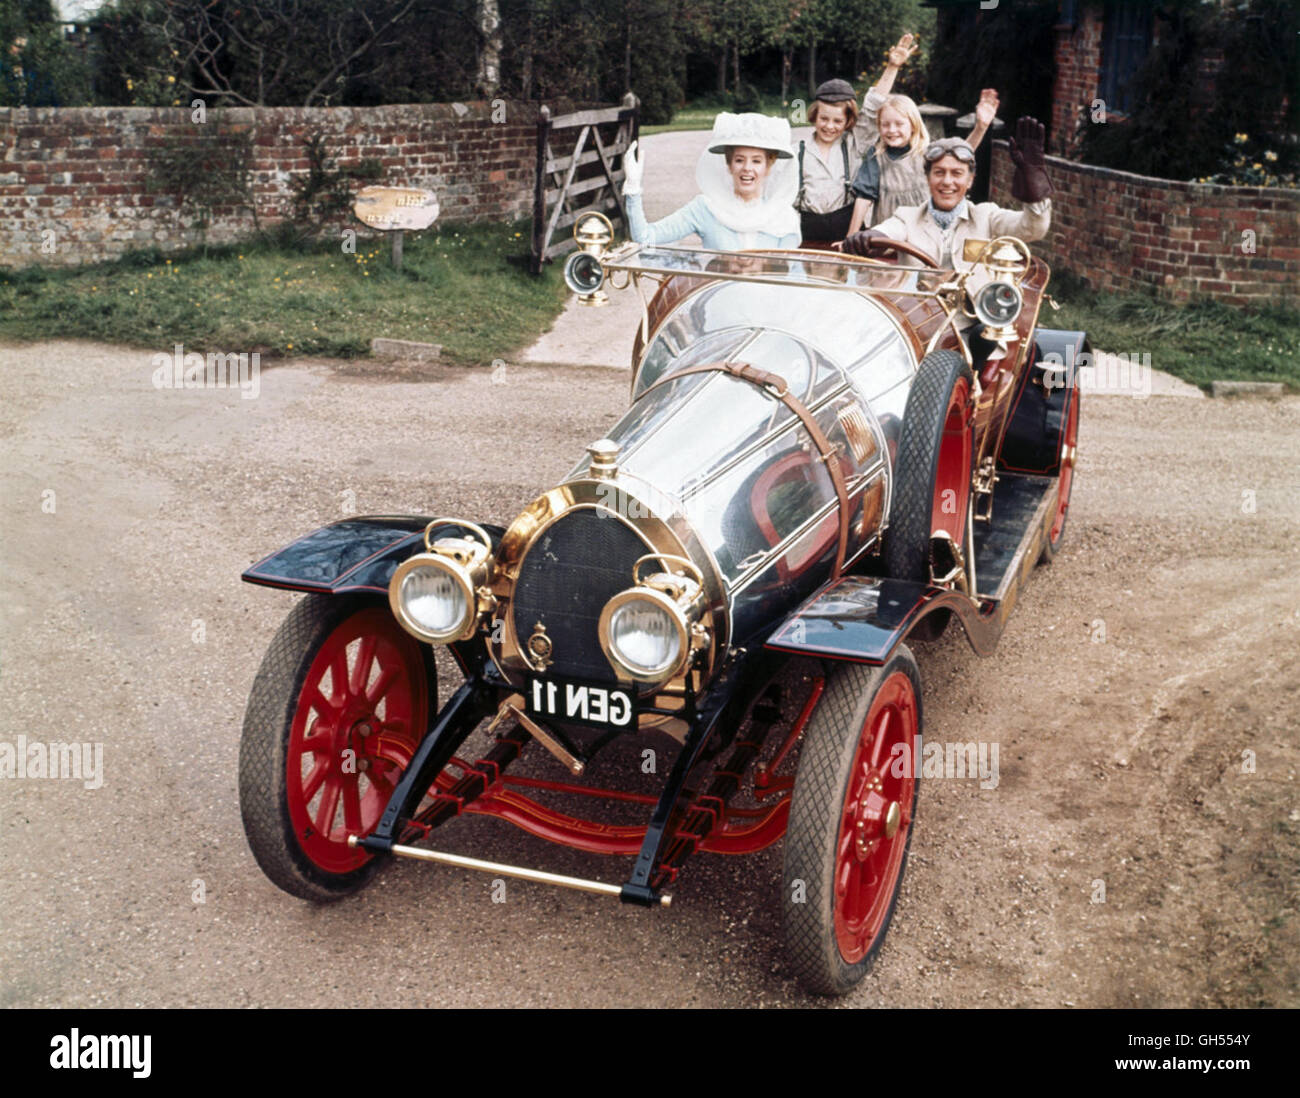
x,y
747,190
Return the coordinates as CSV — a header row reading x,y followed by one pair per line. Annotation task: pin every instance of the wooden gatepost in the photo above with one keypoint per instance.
x,y
575,172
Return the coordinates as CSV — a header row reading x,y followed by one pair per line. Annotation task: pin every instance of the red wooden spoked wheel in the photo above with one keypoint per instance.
x,y
876,817
952,476
851,822
337,710
1065,477
360,715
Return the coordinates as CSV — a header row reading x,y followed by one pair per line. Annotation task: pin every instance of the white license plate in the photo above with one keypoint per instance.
x,y
575,702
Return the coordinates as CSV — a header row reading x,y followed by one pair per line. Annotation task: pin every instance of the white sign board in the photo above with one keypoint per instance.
x,y
391,208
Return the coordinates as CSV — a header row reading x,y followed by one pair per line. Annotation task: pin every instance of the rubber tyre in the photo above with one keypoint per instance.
x,y
931,459
309,862
1065,484
818,864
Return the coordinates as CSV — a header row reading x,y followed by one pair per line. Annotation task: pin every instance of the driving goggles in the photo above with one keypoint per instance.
x,y
949,146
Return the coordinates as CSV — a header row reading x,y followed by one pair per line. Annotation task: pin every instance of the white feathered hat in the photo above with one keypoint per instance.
x,y
755,131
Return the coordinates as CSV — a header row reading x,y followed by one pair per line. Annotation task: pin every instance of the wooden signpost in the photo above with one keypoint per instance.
x,y
395,210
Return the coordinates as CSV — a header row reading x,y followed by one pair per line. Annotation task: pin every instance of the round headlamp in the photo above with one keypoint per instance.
x,y
647,636
583,273
435,595
998,304
433,599
650,631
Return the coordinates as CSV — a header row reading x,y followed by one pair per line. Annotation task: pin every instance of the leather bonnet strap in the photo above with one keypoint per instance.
x,y
775,385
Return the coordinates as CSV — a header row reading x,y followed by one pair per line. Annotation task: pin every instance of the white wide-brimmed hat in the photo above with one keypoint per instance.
x,y
755,131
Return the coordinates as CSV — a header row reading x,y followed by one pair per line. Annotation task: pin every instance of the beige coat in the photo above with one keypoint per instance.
x,y
984,221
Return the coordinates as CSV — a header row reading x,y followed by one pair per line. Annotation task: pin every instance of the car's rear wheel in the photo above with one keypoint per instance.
x,y
337,709
1065,478
851,822
933,467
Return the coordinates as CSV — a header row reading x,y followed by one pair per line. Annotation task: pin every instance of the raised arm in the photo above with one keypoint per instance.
x,y
986,112
879,92
1029,184
676,225
895,60
679,223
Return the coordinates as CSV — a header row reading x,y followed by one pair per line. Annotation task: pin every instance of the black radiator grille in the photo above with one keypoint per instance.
x,y
580,563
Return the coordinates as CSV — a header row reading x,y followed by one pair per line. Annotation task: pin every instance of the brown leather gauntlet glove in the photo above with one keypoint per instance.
x,y
862,243
1030,182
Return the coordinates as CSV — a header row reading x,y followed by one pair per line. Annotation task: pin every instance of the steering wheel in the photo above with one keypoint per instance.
x,y
883,244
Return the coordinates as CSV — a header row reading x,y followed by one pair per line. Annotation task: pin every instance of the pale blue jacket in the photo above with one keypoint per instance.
x,y
696,217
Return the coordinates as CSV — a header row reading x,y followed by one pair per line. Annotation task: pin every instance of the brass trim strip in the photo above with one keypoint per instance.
x,y
519,872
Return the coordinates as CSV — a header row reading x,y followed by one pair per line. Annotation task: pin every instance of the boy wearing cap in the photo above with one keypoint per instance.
x,y
827,168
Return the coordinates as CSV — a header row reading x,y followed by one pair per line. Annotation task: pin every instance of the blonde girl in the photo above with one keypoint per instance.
x,y
892,174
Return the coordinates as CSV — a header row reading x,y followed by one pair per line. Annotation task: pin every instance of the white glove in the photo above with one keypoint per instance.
x,y
633,170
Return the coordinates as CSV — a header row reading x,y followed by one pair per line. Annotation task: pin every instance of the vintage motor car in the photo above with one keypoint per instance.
x,y
812,468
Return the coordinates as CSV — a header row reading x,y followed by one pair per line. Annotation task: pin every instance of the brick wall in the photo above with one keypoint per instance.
x,y
1130,232
1078,75
83,171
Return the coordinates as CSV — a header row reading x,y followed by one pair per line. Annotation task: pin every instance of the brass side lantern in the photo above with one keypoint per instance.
x,y
998,303
583,272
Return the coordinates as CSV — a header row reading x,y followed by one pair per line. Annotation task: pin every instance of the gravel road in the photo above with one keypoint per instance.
x,y
1140,848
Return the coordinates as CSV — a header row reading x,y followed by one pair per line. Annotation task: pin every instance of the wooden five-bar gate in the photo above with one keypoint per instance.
x,y
575,172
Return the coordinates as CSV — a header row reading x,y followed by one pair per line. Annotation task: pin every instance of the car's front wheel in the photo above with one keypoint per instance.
x,y
851,822
337,709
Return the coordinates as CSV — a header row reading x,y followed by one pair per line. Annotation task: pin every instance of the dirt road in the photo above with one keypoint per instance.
x,y
1139,849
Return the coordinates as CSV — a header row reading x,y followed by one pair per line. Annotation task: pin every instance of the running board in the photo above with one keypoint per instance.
x,y
541,877
862,619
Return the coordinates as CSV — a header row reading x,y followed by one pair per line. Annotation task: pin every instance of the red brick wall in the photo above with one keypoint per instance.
x,y
1130,232
82,171
1078,72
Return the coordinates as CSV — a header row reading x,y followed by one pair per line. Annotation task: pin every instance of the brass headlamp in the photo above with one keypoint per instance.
x,y
583,272
998,302
442,594
651,631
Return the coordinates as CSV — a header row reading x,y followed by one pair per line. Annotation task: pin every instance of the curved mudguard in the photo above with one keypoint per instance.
x,y
862,619
356,554
1032,442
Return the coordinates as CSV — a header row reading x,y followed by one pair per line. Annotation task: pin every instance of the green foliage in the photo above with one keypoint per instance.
x,y
465,287
1249,162
134,57
746,98
1185,126
39,67
326,190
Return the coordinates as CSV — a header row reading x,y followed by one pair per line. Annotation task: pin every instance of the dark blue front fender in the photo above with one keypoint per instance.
x,y
356,554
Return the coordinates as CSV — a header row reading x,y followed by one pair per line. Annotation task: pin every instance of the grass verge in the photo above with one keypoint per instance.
x,y
465,287
698,114
1199,342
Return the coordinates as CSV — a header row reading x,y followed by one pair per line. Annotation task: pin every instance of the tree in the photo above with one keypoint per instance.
x,y
263,52
489,52
38,67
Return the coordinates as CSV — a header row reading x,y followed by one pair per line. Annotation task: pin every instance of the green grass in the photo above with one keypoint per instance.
x,y
465,287
1199,342
698,114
